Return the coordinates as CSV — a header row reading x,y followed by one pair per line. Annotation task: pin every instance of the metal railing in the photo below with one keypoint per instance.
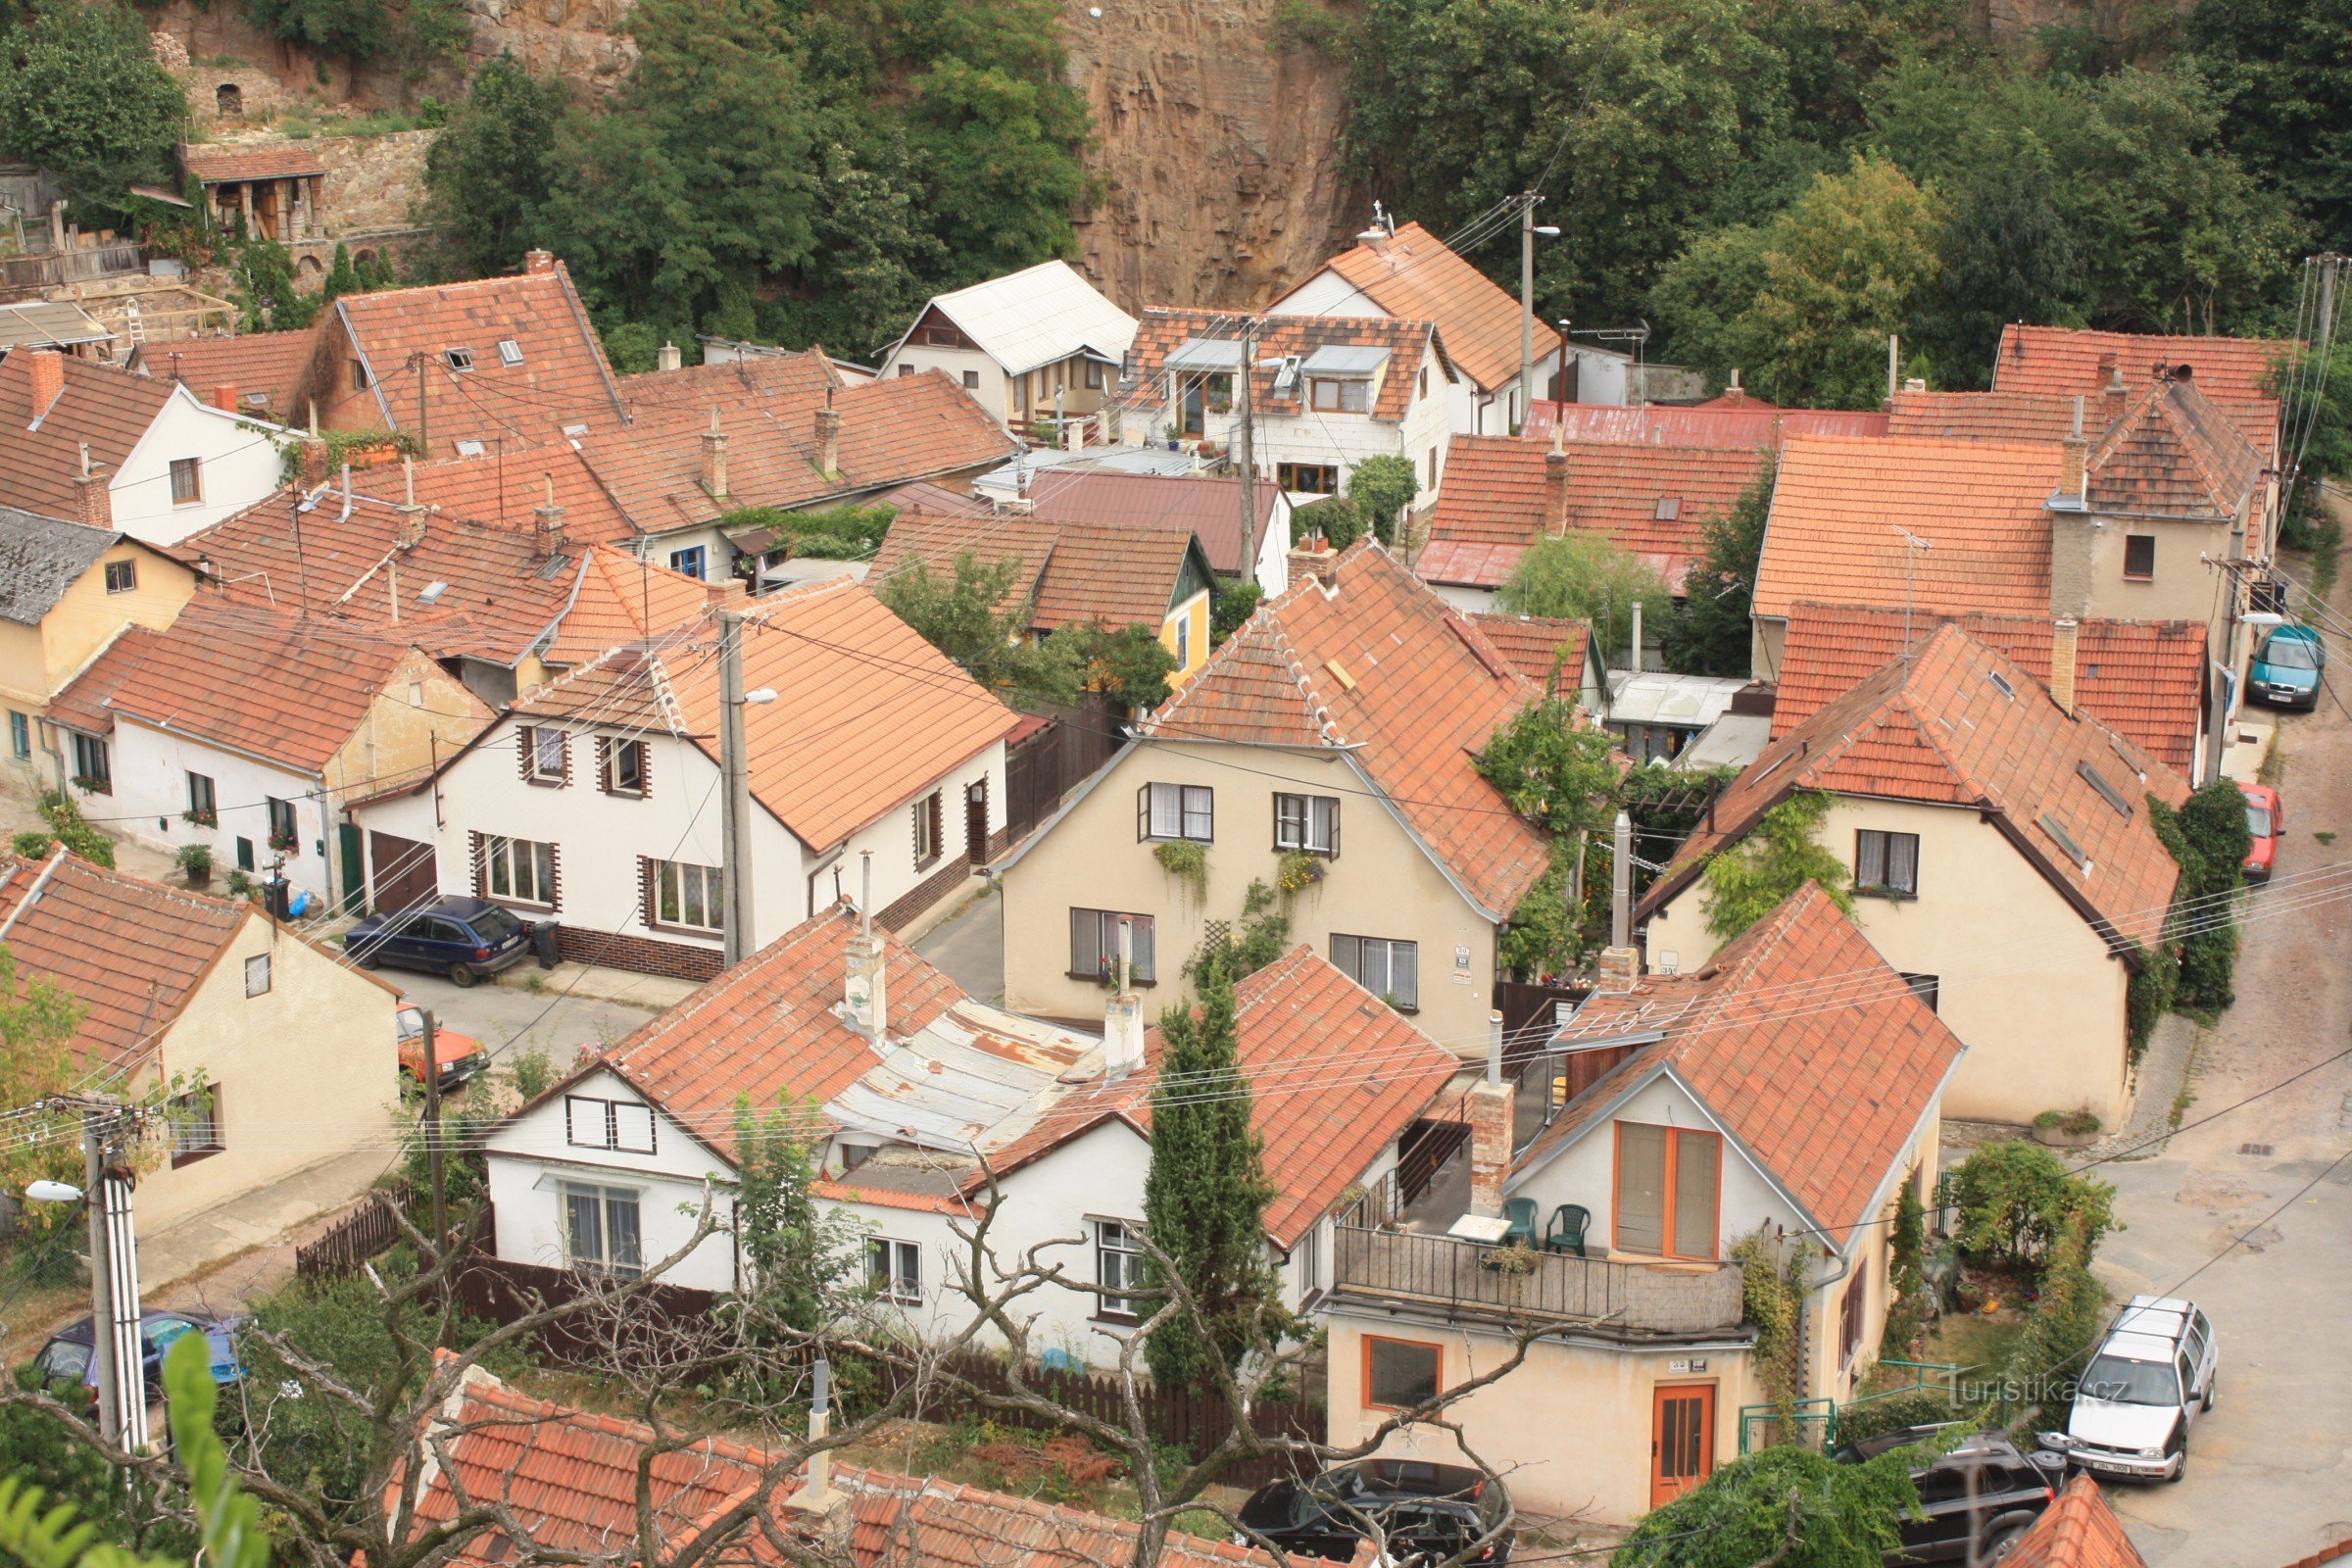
x,y
1635,1299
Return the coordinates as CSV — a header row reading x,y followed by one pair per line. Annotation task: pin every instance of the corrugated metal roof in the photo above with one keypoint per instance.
x,y
1206,354
973,1078
1656,697
52,321
1038,316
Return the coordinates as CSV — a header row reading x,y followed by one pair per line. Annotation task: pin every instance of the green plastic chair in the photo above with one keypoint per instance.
x,y
1566,1232
1521,1214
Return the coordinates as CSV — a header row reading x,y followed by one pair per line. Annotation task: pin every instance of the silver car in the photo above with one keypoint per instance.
x,y
2153,1375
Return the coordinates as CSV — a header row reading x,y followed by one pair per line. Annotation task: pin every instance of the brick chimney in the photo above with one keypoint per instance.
x,y
2113,394
2065,637
1490,1106
714,459
1123,1015
93,504
48,378
537,263
224,398
547,522
828,436
1310,558
1555,486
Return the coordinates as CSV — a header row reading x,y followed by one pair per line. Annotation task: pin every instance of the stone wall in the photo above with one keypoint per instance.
x,y
373,184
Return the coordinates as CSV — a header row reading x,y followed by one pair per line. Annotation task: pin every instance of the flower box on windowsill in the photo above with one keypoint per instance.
x,y
93,786
286,843
201,818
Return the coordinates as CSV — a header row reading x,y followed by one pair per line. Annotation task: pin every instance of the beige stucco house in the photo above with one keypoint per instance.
x,y
66,591
2003,861
1671,1120
276,1054
1338,726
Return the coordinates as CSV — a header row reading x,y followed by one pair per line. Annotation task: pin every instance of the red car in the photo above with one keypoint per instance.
x,y
459,1056
2267,822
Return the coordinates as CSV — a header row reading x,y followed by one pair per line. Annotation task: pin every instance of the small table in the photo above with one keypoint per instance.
x,y
1489,1229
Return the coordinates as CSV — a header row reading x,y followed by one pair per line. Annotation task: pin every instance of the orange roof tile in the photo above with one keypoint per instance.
x,y
661,397
2143,679
2174,453
559,380
1548,650
212,166
103,406
2068,362
2078,1530
1412,275
1714,426
1210,508
621,599
1376,662
504,485
267,364
1117,575
1981,505
1983,416
1650,501
1941,730
1826,1098
1411,346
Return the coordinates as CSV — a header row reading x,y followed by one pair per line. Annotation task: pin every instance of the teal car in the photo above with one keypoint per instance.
x,y
2286,672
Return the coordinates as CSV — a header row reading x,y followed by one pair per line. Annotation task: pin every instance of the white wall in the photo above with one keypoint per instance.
x,y
151,770
1345,439
1469,410
993,393
238,463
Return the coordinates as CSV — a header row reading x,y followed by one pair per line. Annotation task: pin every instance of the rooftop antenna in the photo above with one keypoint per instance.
x,y
1913,544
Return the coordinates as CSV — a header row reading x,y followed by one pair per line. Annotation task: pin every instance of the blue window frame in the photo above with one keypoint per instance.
x,y
688,561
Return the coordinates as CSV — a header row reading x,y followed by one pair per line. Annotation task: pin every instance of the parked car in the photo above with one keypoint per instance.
x,y
70,1359
2267,821
1429,1512
460,1057
463,939
1976,1497
2287,670
2153,1375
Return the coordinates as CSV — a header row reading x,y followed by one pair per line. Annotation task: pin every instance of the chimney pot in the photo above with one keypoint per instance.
x,y
48,378
224,398
668,358
93,503
1309,560
537,263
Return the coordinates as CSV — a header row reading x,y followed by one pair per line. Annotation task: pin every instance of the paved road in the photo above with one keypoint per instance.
x,y
2270,1472
510,1021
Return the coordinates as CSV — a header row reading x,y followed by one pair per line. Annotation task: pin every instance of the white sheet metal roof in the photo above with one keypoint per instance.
x,y
1038,316
972,1079
1687,702
1346,358
53,324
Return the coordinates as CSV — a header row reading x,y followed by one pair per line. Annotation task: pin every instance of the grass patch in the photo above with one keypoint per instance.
x,y
376,124
2325,836
1978,1343
2273,770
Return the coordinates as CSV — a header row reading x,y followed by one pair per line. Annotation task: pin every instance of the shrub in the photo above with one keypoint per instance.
x,y
2063,1323
33,846
75,833
1305,25
1336,517
1921,1407
2016,1198
196,861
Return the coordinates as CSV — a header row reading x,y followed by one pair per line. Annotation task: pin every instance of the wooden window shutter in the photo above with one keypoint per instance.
x,y
555,873
527,747
604,763
645,892
481,866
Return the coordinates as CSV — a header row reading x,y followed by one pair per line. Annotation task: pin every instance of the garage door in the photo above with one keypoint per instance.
x,y
402,872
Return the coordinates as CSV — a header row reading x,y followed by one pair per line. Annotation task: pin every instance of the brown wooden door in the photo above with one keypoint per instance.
x,y
403,873
1681,1440
975,825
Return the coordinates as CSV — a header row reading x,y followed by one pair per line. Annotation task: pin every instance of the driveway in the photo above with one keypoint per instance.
x,y
511,1019
2270,1472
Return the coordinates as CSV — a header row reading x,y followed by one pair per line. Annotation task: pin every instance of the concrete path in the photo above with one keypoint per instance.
x,y
603,1007
968,946
234,1253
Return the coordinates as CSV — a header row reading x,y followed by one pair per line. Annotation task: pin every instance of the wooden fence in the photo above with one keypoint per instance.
x,y
365,1232
1043,767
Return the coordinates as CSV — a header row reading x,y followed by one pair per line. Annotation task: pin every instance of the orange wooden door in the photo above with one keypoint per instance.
x,y
1681,1440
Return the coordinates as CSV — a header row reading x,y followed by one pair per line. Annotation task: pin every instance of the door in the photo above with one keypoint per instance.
x,y
1681,1440
404,871
975,825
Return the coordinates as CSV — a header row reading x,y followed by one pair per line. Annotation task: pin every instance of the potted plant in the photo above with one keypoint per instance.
x,y
2067,1129
286,842
1296,869
196,865
201,818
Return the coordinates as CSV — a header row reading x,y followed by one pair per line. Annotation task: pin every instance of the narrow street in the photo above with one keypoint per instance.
x,y
2271,1471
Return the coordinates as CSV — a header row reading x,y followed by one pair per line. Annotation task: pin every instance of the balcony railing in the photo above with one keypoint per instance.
x,y
1633,1299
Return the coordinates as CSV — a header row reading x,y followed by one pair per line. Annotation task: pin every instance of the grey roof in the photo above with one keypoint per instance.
x,y
40,558
52,322
1204,354
1346,358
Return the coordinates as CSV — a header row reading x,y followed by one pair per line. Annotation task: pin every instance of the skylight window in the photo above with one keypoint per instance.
x,y
469,448
2000,683
2107,792
432,593
1669,509
459,358
2064,841
575,429
510,351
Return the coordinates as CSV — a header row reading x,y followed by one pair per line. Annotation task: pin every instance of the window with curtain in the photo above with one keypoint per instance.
x,y
893,1269
1383,966
1118,1265
1669,1185
1310,823
1095,943
601,1229
1176,812
1887,865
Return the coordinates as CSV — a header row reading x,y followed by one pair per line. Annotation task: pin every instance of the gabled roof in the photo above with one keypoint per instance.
x,y
213,166
1117,575
1412,275
621,599
40,558
1661,425
1498,499
1981,506
1408,345
1984,416
264,365
1371,663
1038,316
1827,1099
2078,1530
2174,453
2146,680
2069,362
559,380
271,685
691,392
102,406
1210,507
894,714
1548,651
1961,725
503,486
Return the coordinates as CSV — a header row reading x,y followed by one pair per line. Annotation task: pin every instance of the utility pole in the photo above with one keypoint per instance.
x,y
432,1124
1527,304
114,1282
1244,449
424,428
735,773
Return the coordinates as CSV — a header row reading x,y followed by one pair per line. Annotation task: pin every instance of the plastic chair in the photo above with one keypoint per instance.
x,y
1521,1214
1566,1232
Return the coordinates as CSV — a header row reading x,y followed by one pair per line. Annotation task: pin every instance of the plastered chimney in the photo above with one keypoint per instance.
x,y
93,504
862,995
547,522
2066,635
2074,477
1621,961
412,515
1124,1014
668,358
48,368
1490,1107
538,263
714,459
1555,486
828,436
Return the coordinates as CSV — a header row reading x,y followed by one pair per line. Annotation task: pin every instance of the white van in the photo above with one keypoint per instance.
x,y
2152,1376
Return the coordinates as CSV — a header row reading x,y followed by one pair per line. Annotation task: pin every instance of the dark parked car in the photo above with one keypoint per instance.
x,y
69,1359
1983,1490
463,939
1429,1512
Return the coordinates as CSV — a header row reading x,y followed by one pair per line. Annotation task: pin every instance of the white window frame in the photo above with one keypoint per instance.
x,y
548,743
893,1270
1355,958
673,880
129,570
1119,1252
625,746
257,980
1106,925
620,1126
501,859
603,1201
1172,811
1349,395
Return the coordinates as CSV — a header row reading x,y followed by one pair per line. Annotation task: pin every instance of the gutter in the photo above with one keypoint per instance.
x,y
32,895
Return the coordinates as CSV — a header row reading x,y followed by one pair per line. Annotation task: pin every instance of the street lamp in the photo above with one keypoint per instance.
x,y
45,1190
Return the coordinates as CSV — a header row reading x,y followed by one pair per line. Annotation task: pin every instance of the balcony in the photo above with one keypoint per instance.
x,y
1465,1279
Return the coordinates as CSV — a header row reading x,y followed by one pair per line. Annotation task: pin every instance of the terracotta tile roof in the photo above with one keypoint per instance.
x,y
1382,665
1940,730
2143,679
1498,500
1548,652
104,406
896,715
1984,416
1705,426
212,166
1119,574
907,427
271,685
129,950
621,599
2068,362
560,380
504,488
691,392
1210,508
1413,276
1981,505
2174,453
2078,1530
1410,344
263,364
1826,1098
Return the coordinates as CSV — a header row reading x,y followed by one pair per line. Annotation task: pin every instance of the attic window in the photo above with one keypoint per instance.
x,y
2107,792
2000,683
510,351
1669,509
432,593
575,429
469,448
2058,835
459,358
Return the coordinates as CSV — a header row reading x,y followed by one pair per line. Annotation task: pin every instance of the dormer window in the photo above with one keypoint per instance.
x,y
458,359
1330,395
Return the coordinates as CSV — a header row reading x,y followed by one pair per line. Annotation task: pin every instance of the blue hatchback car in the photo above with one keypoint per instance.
x,y
2286,672
463,939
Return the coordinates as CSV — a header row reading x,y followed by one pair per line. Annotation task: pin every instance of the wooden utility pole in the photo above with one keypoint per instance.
x,y
1244,454
432,1125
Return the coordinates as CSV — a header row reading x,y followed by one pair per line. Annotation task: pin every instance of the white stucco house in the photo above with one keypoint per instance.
x,y
921,1094
593,800
169,463
1028,346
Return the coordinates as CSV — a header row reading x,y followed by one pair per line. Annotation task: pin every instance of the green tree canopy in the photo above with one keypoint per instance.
x,y
1583,576
82,96
1382,487
1709,632
1789,1506
967,617
2283,70
489,171
1780,855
